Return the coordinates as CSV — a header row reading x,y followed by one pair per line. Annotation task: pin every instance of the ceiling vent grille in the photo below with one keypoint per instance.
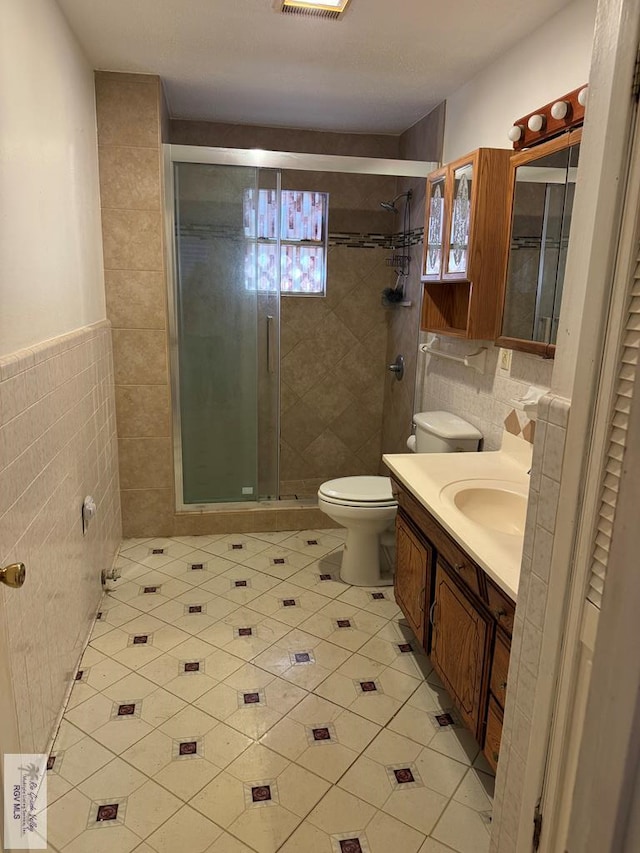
x,y
332,10
327,14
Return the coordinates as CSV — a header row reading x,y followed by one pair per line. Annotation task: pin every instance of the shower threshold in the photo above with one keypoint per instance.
x,y
246,506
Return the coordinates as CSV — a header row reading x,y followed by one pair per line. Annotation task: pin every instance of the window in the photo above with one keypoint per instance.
x,y
299,259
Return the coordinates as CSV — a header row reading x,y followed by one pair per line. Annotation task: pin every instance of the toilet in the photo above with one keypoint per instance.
x,y
366,506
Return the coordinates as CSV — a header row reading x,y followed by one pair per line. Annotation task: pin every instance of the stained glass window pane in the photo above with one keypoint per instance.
x,y
303,238
433,263
460,220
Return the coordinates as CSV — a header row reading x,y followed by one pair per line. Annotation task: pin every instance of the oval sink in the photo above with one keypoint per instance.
x,y
494,504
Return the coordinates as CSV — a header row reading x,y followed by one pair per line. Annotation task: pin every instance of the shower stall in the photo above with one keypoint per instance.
x,y
240,238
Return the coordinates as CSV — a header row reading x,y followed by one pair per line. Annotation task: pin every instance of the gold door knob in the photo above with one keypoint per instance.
x,y
13,575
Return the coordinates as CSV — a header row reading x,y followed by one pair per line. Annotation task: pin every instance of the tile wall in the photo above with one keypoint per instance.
x,y
548,453
485,400
220,134
57,444
129,109
333,349
423,141
315,446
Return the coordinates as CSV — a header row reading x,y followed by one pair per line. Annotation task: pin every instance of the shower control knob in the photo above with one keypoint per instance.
x,y
397,367
13,575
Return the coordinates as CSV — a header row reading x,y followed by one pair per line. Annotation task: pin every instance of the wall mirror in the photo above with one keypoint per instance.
x,y
542,187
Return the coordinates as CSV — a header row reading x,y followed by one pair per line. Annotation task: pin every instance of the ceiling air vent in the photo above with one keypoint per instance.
x,y
331,10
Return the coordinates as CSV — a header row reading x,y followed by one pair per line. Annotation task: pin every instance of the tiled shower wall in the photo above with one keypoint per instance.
x,y
129,111
57,444
334,348
485,400
423,141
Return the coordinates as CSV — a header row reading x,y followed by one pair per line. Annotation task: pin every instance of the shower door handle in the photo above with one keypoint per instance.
x,y
271,348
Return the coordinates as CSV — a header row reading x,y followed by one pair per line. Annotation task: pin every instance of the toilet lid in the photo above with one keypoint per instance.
x,y
363,490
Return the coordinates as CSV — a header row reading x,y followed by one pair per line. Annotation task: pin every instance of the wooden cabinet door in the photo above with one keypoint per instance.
x,y
413,573
460,648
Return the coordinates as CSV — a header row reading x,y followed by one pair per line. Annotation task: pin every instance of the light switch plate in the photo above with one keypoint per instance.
x,y
505,359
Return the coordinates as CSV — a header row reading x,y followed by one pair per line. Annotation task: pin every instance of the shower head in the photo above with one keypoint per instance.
x,y
391,205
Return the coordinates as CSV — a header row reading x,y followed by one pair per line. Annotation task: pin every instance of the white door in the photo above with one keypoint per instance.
x,y
9,741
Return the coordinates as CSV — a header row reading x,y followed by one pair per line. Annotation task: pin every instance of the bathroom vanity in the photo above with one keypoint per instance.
x,y
456,579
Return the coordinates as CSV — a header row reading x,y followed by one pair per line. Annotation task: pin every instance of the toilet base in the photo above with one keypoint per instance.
x,y
361,560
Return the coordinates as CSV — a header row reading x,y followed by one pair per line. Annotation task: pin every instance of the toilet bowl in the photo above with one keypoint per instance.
x,y
366,506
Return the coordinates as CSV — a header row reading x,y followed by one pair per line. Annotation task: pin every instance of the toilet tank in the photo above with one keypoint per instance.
x,y
443,432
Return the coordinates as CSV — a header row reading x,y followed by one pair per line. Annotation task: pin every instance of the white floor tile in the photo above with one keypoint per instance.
x,y
462,829
251,719
186,830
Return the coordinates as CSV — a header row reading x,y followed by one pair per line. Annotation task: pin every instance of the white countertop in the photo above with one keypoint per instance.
x,y
427,474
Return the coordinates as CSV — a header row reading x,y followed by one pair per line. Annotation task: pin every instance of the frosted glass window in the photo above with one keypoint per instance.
x,y
299,258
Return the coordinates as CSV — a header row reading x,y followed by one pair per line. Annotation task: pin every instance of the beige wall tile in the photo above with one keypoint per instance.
x,y
222,521
127,109
140,357
304,518
132,239
145,463
147,512
62,391
143,411
252,136
136,299
129,177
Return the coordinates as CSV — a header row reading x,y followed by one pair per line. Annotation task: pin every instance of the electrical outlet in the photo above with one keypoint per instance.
x,y
505,359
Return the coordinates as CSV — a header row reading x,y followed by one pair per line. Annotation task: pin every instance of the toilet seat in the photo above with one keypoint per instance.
x,y
358,491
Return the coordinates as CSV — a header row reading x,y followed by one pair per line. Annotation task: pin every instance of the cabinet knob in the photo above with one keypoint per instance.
x,y
503,685
500,614
495,756
459,567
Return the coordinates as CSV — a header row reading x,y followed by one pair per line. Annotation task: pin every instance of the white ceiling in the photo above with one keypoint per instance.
x,y
380,69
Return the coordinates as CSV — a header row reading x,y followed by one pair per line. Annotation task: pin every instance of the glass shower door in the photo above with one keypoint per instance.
x,y
224,374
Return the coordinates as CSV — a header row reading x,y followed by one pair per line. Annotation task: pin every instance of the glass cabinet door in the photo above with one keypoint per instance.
x,y
460,223
539,235
570,189
434,236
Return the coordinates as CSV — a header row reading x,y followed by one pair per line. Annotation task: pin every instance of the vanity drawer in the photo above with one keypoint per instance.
x,y
500,670
494,733
501,607
461,566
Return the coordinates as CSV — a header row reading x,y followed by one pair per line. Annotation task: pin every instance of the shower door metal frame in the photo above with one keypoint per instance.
x,y
258,159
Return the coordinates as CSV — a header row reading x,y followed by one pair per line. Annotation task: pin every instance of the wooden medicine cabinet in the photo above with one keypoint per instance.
x,y
541,192
465,239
